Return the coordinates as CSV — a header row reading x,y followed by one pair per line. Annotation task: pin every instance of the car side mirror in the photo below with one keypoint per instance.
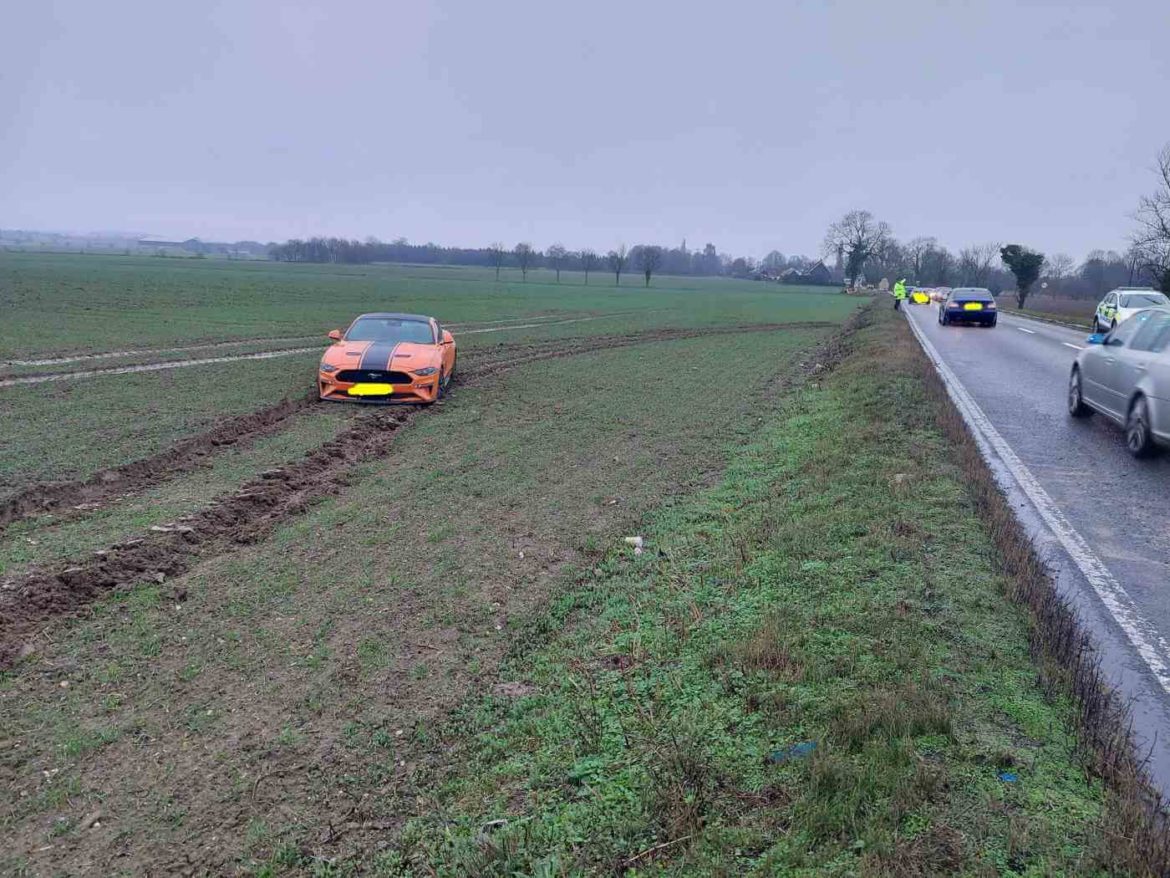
x,y
1096,338
335,335
448,338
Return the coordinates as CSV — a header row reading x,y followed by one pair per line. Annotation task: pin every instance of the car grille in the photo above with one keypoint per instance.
x,y
372,376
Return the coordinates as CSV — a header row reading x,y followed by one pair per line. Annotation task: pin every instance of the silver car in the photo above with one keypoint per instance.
x,y
1125,375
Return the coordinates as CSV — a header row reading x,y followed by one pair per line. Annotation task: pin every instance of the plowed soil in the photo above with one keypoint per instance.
x,y
29,600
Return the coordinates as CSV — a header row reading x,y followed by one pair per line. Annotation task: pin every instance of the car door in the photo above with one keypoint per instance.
x,y
446,351
1134,360
1113,368
1103,311
1157,382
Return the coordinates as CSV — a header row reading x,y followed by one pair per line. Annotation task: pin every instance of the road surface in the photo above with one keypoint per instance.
x,y
1102,518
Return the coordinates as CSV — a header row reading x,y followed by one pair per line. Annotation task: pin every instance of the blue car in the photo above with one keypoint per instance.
x,y
968,305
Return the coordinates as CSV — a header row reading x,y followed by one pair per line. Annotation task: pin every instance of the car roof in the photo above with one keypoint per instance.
x,y
395,316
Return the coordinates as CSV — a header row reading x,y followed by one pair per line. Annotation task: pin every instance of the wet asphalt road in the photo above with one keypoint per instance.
x,y
1017,373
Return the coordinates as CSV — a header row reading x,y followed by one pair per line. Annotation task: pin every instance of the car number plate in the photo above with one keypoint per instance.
x,y
972,306
371,390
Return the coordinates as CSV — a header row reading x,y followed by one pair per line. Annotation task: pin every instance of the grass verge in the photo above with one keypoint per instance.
x,y
813,669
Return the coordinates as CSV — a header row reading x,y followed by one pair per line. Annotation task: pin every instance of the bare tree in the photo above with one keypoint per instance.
x,y
1151,239
1058,267
496,253
588,260
556,255
975,264
524,256
917,252
649,259
617,261
937,267
888,260
857,235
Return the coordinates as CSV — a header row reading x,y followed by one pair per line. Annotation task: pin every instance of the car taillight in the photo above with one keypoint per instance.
x,y
989,305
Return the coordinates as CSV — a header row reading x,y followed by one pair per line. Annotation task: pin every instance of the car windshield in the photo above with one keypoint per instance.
x,y
1143,300
390,329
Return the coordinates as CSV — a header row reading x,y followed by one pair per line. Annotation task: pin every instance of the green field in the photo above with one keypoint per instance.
x,y
445,658
56,304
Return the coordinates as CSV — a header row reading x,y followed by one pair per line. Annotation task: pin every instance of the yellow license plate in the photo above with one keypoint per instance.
x,y
972,306
371,390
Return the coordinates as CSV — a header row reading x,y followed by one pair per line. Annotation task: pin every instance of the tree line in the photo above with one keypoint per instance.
x,y
646,259
866,250
858,246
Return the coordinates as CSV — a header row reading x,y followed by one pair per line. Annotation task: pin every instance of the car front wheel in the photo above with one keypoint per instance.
x,y
1138,438
1076,402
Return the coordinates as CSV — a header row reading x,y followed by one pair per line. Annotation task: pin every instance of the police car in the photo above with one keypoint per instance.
x,y
1123,303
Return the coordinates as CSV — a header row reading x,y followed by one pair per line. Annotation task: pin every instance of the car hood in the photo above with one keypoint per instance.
x,y
403,356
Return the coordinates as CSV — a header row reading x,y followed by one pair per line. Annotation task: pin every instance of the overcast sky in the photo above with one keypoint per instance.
x,y
750,125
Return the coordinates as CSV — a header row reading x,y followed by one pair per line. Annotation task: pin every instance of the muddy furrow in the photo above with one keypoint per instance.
x,y
166,551
196,451
29,600
519,355
183,456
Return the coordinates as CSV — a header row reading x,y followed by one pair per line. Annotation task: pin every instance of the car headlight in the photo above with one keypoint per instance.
x,y
423,373
327,369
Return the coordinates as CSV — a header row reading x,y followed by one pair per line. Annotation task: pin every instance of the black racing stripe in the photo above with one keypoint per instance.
x,y
377,356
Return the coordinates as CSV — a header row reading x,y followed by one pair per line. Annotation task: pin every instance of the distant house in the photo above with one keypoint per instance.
x,y
816,275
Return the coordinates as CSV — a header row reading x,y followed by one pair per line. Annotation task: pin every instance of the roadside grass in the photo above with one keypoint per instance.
x,y
813,669
64,303
51,536
277,698
1058,308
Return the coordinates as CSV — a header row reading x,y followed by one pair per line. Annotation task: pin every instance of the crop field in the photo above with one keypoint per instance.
x,y
245,632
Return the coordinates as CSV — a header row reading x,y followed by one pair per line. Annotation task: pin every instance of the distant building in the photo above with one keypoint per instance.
x,y
816,275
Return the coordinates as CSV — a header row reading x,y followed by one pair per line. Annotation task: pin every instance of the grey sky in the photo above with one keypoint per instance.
x,y
751,125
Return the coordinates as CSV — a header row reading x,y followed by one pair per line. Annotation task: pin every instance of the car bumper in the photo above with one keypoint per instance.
x,y
961,316
425,390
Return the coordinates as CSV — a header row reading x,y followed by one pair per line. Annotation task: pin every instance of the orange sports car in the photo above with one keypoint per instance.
x,y
386,358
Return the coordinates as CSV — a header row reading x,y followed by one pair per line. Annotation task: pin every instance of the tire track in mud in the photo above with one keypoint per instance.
x,y
252,512
183,456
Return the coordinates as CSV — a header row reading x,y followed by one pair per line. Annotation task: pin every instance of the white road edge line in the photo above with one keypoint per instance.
x,y
1069,344
1029,331
1150,645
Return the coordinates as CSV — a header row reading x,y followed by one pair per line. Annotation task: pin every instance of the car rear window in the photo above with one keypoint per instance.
x,y
973,296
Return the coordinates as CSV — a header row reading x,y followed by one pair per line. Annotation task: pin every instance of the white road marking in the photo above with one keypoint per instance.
x,y
1075,347
1029,331
146,352
1150,645
532,325
154,367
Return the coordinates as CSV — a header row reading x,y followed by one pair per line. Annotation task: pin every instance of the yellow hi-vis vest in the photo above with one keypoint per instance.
x,y
899,290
